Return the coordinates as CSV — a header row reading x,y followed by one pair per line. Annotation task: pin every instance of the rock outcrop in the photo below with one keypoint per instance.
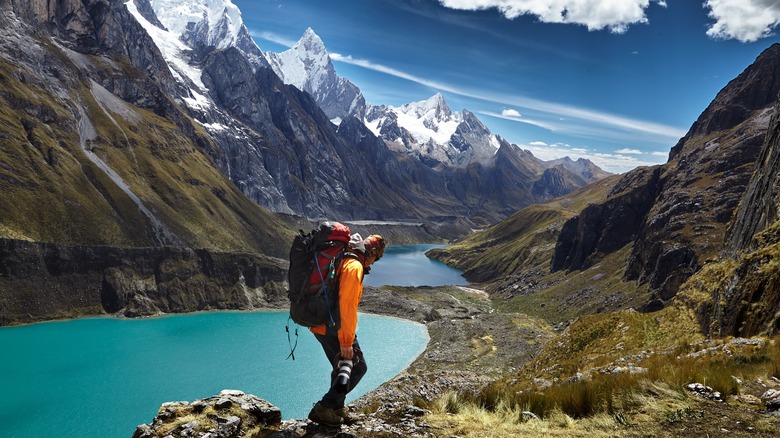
x,y
41,281
760,206
231,414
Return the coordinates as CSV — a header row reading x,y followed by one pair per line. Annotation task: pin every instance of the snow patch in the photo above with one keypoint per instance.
x,y
214,127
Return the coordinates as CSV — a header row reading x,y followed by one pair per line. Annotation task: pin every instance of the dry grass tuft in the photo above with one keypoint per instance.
x,y
610,404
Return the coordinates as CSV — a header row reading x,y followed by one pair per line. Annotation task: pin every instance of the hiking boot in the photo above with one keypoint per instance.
x,y
346,417
325,416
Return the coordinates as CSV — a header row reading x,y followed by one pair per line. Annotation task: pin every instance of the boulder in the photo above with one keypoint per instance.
x,y
231,414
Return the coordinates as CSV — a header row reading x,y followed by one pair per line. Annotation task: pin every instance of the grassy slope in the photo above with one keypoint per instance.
x,y
54,193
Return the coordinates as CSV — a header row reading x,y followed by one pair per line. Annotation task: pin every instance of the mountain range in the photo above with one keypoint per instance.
x,y
119,132
427,131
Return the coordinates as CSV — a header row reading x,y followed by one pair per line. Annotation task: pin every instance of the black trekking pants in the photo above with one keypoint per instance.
x,y
332,348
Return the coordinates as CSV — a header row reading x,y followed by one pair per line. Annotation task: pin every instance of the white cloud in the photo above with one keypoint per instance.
x,y
615,15
660,154
743,20
629,151
537,143
510,113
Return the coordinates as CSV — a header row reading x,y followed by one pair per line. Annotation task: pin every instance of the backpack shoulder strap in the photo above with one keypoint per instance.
x,y
351,255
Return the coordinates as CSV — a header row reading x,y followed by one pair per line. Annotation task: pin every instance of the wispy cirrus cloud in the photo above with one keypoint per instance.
x,y
517,117
548,115
274,38
393,72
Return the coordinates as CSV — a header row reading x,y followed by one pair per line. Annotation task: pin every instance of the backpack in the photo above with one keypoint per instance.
x,y
314,259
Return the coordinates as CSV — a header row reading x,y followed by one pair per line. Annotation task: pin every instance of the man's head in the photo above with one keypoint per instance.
x,y
375,248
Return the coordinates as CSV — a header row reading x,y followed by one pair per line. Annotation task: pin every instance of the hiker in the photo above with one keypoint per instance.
x,y
342,345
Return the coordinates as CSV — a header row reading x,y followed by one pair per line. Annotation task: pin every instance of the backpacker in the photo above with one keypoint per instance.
x,y
314,259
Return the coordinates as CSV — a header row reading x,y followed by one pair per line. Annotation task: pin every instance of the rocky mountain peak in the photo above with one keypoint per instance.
x,y
434,108
306,65
310,44
582,167
215,23
754,89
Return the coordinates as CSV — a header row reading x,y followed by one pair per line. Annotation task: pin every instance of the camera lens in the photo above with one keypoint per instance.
x,y
342,380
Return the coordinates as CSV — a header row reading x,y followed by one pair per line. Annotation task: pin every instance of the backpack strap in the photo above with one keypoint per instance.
x,y
357,257
289,342
331,322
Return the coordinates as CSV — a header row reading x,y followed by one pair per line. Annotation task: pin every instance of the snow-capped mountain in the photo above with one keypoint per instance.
x,y
216,23
173,51
432,132
307,66
428,130
222,17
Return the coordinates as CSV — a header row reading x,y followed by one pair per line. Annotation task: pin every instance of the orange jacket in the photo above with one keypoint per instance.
x,y
350,292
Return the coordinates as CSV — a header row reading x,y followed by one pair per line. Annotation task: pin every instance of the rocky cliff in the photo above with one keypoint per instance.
x,y
40,281
740,294
605,227
760,204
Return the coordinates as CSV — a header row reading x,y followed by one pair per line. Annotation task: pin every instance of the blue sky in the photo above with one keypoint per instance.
x,y
615,81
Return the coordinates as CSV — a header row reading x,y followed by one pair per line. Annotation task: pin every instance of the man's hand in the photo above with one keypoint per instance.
x,y
347,352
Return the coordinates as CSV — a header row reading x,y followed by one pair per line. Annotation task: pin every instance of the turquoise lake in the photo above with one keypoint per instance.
x,y
407,265
101,377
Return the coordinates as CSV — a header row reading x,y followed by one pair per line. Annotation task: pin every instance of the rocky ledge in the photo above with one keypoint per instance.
x,y
44,281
